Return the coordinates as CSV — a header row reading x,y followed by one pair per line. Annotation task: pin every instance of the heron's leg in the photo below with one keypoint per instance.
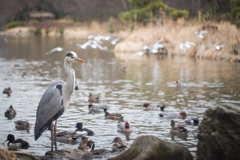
x,y
51,127
55,135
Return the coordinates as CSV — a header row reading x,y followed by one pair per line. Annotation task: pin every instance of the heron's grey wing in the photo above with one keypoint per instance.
x,y
51,106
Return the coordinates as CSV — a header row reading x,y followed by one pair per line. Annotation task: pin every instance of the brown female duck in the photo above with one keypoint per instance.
x,y
177,130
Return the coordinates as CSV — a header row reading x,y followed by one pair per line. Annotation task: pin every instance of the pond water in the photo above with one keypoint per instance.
x,y
25,67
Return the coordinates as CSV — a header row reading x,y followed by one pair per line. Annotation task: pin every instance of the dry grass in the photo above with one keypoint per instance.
x,y
11,155
6,154
175,33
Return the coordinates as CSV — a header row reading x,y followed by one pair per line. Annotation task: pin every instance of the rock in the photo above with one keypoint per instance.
x,y
70,153
218,135
152,148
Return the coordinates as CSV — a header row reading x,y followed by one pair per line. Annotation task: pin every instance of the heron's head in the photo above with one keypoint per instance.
x,y
72,57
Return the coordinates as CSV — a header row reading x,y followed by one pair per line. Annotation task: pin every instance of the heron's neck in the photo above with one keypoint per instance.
x,y
70,83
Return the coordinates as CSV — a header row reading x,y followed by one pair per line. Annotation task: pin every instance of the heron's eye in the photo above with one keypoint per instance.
x,y
72,57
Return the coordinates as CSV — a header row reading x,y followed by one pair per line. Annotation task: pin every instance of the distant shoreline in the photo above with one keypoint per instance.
x,y
172,33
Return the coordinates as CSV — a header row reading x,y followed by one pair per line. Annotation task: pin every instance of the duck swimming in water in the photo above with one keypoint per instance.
x,y
22,125
7,90
16,143
114,116
177,130
97,108
148,106
191,119
85,144
126,128
80,129
118,145
92,98
66,136
10,113
181,115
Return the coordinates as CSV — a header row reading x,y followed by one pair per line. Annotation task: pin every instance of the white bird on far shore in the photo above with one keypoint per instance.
x,y
186,45
59,49
200,34
90,36
114,42
217,47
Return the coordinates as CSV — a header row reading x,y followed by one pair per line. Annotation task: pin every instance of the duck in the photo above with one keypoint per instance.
x,y
148,106
7,90
10,113
76,86
97,108
173,115
67,136
126,128
22,125
80,129
118,145
178,83
177,130
16,143
85,144
98,153
123,69
114,116
191,119
92,98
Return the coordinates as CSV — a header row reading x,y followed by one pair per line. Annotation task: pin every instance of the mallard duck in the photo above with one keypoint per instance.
x,y
98,152
10,113
22,125
153,106
85,144
92,98
118,145
177,130
173,115
126,128
67,136
80,129
97,108
7,90
16,143
114,116
191,119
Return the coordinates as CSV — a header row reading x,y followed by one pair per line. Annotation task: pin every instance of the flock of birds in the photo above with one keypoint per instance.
x,y
56,98
80,132
154,48
94,42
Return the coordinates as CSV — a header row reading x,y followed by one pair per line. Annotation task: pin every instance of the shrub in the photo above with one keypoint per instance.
x,y
15,24
37,31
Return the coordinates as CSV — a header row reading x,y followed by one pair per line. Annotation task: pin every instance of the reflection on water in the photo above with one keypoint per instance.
x,y
25,67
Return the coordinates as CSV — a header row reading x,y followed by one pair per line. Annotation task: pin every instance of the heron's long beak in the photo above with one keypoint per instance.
x,y
79,60
6,141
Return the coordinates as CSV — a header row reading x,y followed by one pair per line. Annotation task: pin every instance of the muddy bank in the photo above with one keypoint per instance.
x,y
175,33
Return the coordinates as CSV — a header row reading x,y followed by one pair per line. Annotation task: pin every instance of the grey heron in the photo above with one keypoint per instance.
x,y
55,100
200,34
